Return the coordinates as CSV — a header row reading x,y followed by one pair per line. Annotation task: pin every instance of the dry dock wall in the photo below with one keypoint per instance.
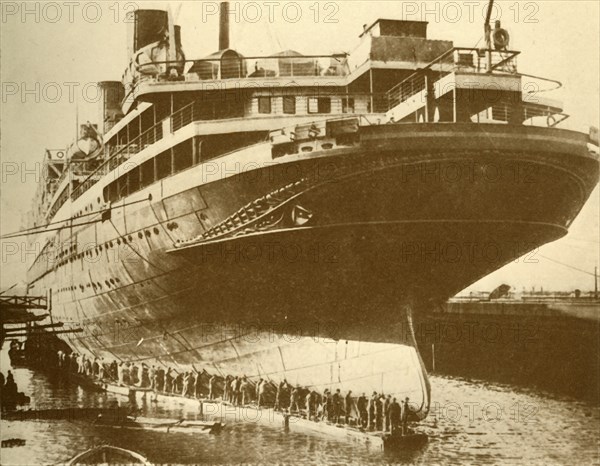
x,y
551,347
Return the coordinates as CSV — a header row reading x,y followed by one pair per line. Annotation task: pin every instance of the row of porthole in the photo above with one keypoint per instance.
x,y
109,244
87,208
72,248
97,285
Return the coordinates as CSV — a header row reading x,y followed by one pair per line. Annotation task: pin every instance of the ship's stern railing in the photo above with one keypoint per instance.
x,y
457,59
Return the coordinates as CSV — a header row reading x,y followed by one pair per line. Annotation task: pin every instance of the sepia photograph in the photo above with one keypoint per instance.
x,y
352,232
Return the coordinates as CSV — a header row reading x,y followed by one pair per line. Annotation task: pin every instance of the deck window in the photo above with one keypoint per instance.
x,y
133,178
324,105
264,105
348,105
147,173
184,156
110,192
163,165
122,187
289,104
319,105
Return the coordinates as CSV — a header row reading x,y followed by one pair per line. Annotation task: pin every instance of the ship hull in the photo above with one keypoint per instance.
x,y
350,243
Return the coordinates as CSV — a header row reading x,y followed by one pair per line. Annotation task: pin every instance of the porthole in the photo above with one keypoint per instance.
x,y
156,231
140,235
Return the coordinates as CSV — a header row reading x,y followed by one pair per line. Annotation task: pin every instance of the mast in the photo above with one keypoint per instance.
x,y
488,35
172,50
224,26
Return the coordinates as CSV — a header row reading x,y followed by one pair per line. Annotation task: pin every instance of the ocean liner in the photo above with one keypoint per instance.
x,y
284,216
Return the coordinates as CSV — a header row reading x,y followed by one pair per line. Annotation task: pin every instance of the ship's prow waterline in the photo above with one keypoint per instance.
x,y
291,235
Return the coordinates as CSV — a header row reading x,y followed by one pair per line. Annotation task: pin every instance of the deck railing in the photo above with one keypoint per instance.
x,y
456,59
235,67
116,155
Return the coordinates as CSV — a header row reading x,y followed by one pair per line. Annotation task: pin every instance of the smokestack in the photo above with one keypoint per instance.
x,y
224,26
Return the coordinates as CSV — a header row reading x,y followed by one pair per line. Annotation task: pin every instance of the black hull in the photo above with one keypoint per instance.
x,y
323,281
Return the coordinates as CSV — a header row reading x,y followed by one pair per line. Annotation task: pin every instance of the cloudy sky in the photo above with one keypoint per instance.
x,y
52,53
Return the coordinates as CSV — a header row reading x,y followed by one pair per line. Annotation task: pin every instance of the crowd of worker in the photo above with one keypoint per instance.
x,y
377,412
10,396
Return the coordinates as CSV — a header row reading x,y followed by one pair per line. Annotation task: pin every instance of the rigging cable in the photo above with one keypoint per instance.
x,y
566,265
44,228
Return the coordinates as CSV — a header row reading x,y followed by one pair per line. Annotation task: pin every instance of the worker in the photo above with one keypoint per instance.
x,y
379,412
80,364
348,406
361,405
405,416
101,369
386,412
198,383
261,391
336,401
323,405
395,413
114,370
152,377
235,390
212,387
192,384
329,406
256,388
309,405
294,398
246,391
10,389
226,388
168,380
177,383
88,367
371,411
127,374
185,383
278,395
160,379
120,373
132,374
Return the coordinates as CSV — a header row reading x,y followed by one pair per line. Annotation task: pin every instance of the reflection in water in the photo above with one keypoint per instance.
x,y
470,422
